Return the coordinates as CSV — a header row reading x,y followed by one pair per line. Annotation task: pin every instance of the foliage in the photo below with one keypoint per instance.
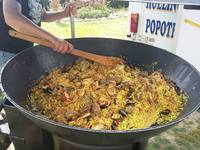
x,y
97,11
1,96
118,4
84,3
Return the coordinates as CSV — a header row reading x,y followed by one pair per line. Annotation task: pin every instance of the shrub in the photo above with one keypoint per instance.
x,y
97,11
83,3
118,4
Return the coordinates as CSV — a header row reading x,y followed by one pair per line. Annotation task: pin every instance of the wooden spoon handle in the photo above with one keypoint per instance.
x,y
104,60
30,38
44,42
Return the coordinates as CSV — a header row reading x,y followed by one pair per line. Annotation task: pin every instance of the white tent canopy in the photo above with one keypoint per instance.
x,y
184,2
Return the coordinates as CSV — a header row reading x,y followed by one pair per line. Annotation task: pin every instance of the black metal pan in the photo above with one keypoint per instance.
x,y
20,72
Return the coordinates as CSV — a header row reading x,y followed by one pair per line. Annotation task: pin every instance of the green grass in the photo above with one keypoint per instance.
x,y
113,28
189,140
170,147
178,130
184,140
1,96
158,143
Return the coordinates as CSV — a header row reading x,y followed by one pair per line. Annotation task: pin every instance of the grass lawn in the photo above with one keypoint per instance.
x,y
114,28
1,96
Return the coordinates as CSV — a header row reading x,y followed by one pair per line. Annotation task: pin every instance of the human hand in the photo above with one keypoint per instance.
x,y
70,9
61,46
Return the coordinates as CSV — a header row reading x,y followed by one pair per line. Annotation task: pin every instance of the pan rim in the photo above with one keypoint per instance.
x,y
26,112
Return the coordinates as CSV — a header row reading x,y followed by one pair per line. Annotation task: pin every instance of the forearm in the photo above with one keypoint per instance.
x,y
19,22
53,16
24,25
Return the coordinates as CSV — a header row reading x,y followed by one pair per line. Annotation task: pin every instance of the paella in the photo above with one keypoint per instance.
x,y
89,95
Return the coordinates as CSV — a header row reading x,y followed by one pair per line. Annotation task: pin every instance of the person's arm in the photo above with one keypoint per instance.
x,y
53,16
15,19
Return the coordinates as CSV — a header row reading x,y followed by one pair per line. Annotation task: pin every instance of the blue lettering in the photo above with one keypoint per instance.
x,y
170,8
173,29
174,7
148,5
147,25
163,28
154,5
159,6
153,26
169,25
163,7
158,24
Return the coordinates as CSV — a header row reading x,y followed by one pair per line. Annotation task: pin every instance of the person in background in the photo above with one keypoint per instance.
x,y
46,4
26,16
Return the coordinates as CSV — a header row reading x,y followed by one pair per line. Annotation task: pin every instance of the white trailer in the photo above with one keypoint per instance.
x,y
167,26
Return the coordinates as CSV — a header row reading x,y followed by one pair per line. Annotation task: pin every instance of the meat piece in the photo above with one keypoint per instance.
x,y
84,65
111,91
103,82
87,81
96,110
69,89
129,109
65,97
71,115
66,68
87,104
104,104
71,77
118,80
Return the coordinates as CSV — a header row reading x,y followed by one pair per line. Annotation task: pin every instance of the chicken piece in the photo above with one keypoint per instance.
x,y
96,110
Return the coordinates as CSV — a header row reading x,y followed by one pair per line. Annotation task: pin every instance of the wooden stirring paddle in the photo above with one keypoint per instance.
x,y
104,60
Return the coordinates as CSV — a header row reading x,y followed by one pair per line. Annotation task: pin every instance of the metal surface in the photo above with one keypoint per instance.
x,y
183,2
27,136
62,144
24,134
20,72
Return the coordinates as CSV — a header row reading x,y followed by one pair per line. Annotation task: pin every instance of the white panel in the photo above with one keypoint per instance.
x,y
188,45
